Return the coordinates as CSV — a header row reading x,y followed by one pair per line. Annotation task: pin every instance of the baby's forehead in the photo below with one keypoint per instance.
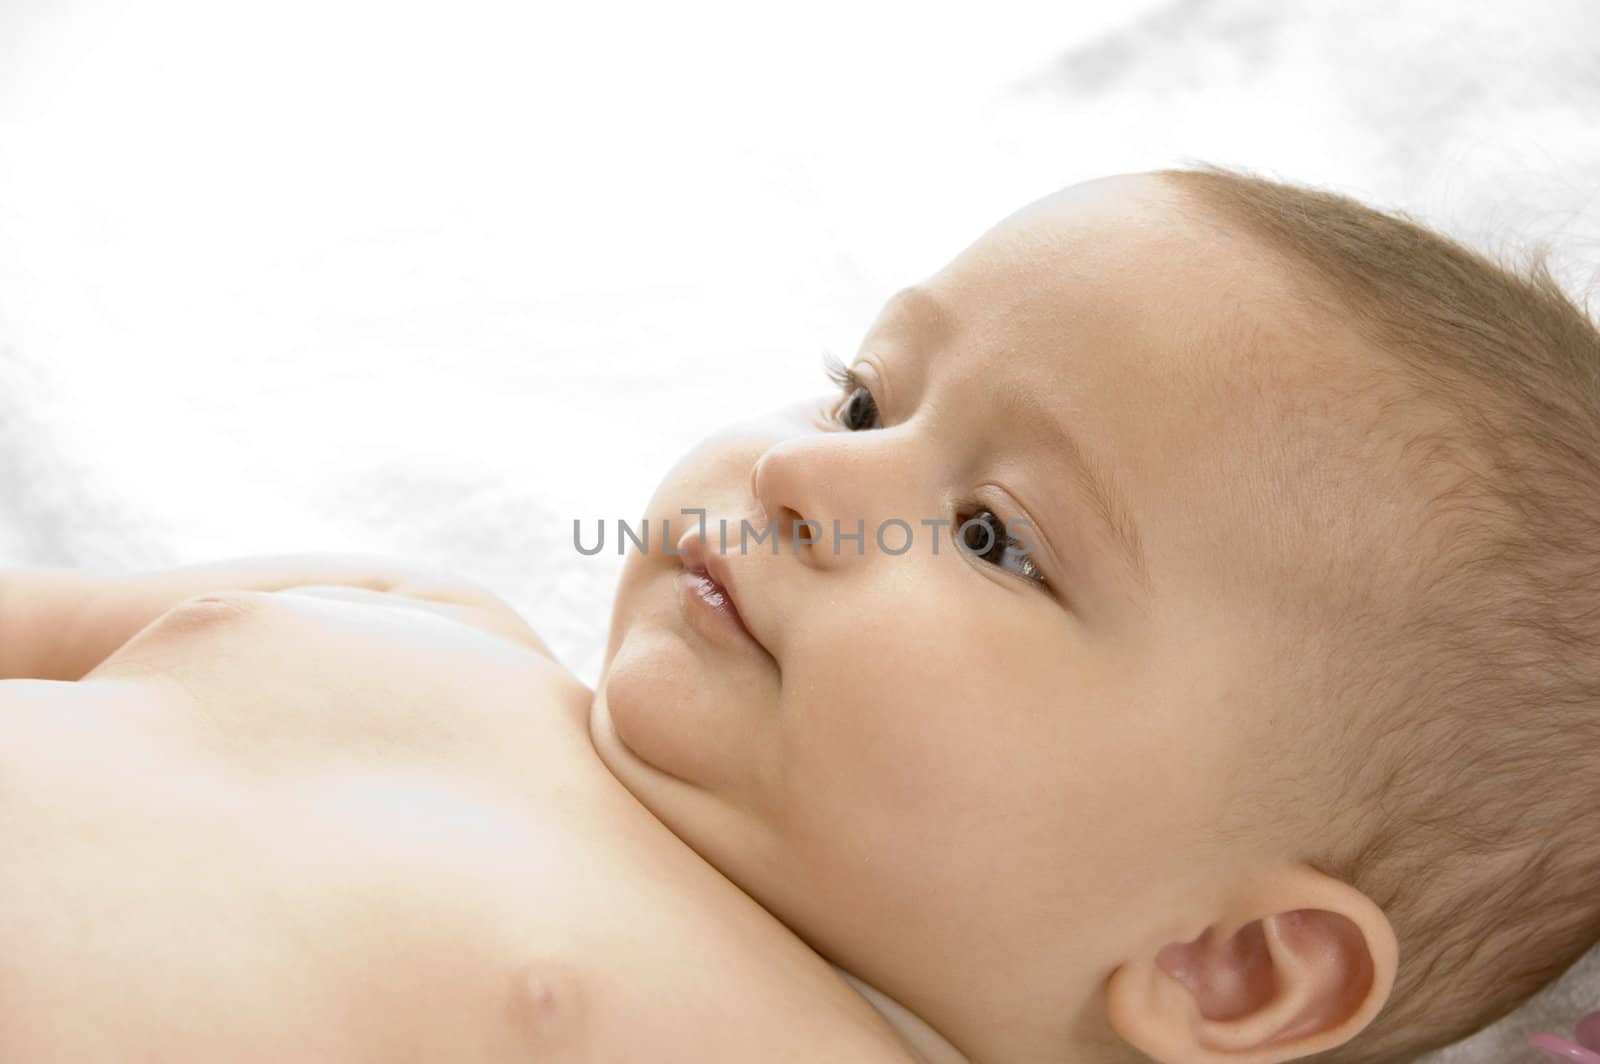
x,y
1124,278
1122,260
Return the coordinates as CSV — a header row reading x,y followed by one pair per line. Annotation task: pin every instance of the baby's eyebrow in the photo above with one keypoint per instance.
x,y
1108,503
917,313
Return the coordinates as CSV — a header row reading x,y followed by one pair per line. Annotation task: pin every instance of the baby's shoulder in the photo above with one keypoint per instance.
x,y
405,660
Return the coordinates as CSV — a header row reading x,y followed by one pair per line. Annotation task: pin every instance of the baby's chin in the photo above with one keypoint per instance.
x,y
671,713
627,719
653,728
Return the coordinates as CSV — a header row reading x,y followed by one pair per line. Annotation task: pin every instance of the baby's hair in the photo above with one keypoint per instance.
x,y
1457,781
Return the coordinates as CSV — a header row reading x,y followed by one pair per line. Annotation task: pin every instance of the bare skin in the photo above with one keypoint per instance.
x,y
313,826
991,790
344,824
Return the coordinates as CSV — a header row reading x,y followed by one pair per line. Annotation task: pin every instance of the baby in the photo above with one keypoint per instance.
x,y
1175,641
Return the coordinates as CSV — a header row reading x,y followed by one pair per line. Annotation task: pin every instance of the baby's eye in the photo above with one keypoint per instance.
x,y
858,410
984,535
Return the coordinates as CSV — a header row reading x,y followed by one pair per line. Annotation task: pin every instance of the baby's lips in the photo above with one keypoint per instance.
x,y
1558,1048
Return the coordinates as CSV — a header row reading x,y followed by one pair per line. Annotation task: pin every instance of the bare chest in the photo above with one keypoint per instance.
x,y
297,830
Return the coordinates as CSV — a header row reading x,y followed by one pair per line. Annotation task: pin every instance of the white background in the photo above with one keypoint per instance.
x,y
432,280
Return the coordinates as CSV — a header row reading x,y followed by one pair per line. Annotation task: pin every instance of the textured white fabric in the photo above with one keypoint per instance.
x,y
1557,1009
436,280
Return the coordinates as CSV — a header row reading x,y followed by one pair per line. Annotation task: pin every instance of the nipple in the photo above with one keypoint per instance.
x,y
547,1003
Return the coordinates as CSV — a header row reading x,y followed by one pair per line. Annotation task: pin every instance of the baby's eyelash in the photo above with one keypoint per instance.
x,y
856,408
840,374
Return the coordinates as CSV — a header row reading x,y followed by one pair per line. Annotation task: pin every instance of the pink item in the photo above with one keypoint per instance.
x,y
1585,1051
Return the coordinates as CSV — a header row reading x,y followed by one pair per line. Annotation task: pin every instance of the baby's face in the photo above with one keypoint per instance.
x,y
963,775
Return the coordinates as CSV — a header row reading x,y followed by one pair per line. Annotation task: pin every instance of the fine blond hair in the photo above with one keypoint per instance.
x,y
1459,787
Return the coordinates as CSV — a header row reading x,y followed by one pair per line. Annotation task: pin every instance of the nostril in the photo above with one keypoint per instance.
x,y
794,529
790,523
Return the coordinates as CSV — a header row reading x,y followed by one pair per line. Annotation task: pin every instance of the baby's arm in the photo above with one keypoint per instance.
x,y
58,624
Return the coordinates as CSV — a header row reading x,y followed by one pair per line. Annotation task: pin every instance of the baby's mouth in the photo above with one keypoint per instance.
x,y
715,595
707,584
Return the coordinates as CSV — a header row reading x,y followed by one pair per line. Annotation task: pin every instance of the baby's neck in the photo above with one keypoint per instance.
x,y
926,1044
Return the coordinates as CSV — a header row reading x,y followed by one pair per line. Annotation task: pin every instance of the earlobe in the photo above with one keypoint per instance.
x,y
1297,963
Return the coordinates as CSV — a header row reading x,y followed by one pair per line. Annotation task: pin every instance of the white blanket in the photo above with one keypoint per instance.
x,y
436,280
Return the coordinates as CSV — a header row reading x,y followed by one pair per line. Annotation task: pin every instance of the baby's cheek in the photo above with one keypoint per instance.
x,y
715,473
892,730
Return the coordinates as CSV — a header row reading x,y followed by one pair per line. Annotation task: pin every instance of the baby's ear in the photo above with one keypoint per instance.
x,y
1297,964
